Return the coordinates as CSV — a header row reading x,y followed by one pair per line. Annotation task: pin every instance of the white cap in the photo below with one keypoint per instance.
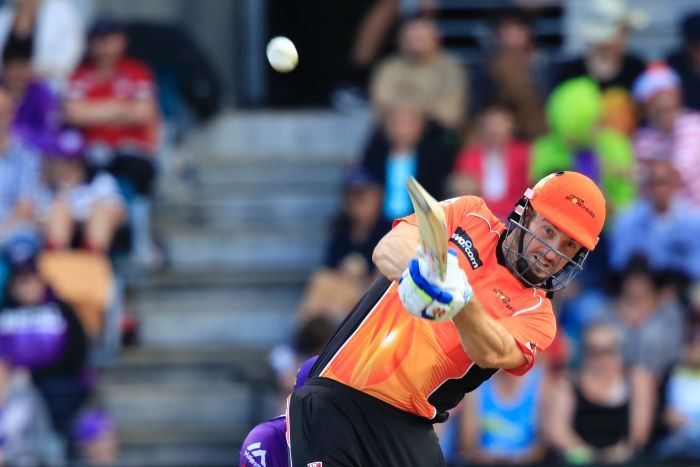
x,y
602,19
656,78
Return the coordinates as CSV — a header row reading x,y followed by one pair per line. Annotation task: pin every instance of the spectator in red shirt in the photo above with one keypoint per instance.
x,y
111,97
495,167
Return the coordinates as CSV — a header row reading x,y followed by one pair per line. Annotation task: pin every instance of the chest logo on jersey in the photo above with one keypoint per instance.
x,y
464,243
503,298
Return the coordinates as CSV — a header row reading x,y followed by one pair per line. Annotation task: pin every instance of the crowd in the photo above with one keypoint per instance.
x,y
80,128
619,382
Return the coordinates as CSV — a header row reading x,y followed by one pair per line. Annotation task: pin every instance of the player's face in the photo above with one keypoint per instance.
x,y
547,249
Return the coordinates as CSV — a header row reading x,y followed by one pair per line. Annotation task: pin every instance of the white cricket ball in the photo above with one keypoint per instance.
x,y
282,54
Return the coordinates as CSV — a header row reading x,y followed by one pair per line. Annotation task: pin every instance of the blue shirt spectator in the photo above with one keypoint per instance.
x,y
670,227
19,177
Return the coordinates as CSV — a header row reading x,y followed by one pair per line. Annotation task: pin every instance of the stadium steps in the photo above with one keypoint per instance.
x,y
185,405
242,235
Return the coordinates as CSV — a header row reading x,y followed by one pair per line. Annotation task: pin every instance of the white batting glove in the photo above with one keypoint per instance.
x,y
424,295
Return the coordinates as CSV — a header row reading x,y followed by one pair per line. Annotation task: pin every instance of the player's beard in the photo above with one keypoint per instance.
x,y
524,268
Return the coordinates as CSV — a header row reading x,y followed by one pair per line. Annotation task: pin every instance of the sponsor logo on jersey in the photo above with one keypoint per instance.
x,y
255,455
580,203
532,347
503,298
314,464
464,243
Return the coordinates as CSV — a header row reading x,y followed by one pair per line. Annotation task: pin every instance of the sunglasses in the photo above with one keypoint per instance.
x,y
601,351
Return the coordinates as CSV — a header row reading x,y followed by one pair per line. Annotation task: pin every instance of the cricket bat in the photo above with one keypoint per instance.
x,y
431,226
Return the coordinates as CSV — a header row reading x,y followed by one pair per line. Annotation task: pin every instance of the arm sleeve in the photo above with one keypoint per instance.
x,y
533,331
455,209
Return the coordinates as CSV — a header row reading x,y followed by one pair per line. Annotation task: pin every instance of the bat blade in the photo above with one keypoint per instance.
x,y
432,226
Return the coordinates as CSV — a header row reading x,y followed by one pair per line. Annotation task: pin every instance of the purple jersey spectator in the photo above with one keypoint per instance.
x,y
266,444
37,114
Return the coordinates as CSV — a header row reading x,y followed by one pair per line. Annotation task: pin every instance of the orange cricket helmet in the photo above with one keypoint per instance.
x,y
573,203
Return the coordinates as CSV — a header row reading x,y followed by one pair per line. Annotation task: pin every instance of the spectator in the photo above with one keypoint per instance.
x,y
604,28
37,107
671,226
686,61
112,99
601,414
80,204
407,146
515,73
672,132
348,269
501,421
25,428
43,334
682,413
424,72
650,322
52,29
495,167
19,176
95,438
578,142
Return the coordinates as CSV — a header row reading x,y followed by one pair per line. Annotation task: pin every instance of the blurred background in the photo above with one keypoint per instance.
x,y
181,226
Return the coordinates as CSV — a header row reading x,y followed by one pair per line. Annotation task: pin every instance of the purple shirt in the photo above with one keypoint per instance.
x,y
266,445
37,115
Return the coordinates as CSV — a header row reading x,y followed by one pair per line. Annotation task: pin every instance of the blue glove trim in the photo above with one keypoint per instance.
x,y
433,291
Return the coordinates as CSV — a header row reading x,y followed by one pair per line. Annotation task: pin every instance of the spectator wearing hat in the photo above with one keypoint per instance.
x,y
672,132
52,30
604,27
43,334
20,185
37,110
111,99
83,207
686,61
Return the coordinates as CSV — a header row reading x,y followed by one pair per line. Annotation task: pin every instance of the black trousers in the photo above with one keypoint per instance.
x,y
339,426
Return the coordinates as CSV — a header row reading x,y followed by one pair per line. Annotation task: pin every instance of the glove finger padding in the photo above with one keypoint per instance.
x,y
432,298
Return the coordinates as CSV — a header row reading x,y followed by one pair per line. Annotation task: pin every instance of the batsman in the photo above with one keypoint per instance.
x,y
416,343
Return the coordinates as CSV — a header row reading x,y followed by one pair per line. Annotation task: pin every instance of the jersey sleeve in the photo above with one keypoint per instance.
x,y
533,331
455,209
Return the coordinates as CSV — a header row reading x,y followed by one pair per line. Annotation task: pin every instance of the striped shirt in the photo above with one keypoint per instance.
x,y
681,147
19,177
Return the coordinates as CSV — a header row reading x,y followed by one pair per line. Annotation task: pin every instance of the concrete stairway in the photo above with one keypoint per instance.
x,y
241,241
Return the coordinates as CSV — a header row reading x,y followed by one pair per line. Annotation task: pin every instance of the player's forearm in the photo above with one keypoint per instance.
x,y
486,342
394,251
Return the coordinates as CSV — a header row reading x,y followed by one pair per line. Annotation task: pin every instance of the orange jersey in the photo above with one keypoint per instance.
x,y
418,365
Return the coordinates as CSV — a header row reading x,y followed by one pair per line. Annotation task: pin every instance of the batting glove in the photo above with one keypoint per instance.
x,y
424,295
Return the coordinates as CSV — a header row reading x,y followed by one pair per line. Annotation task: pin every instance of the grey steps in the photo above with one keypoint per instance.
x,y
254,249
187,364
207,277
279,135
259,175
266,209
219,325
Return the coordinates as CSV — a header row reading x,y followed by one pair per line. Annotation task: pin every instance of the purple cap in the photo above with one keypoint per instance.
x,y
266,444
66,144
91,425
304,371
